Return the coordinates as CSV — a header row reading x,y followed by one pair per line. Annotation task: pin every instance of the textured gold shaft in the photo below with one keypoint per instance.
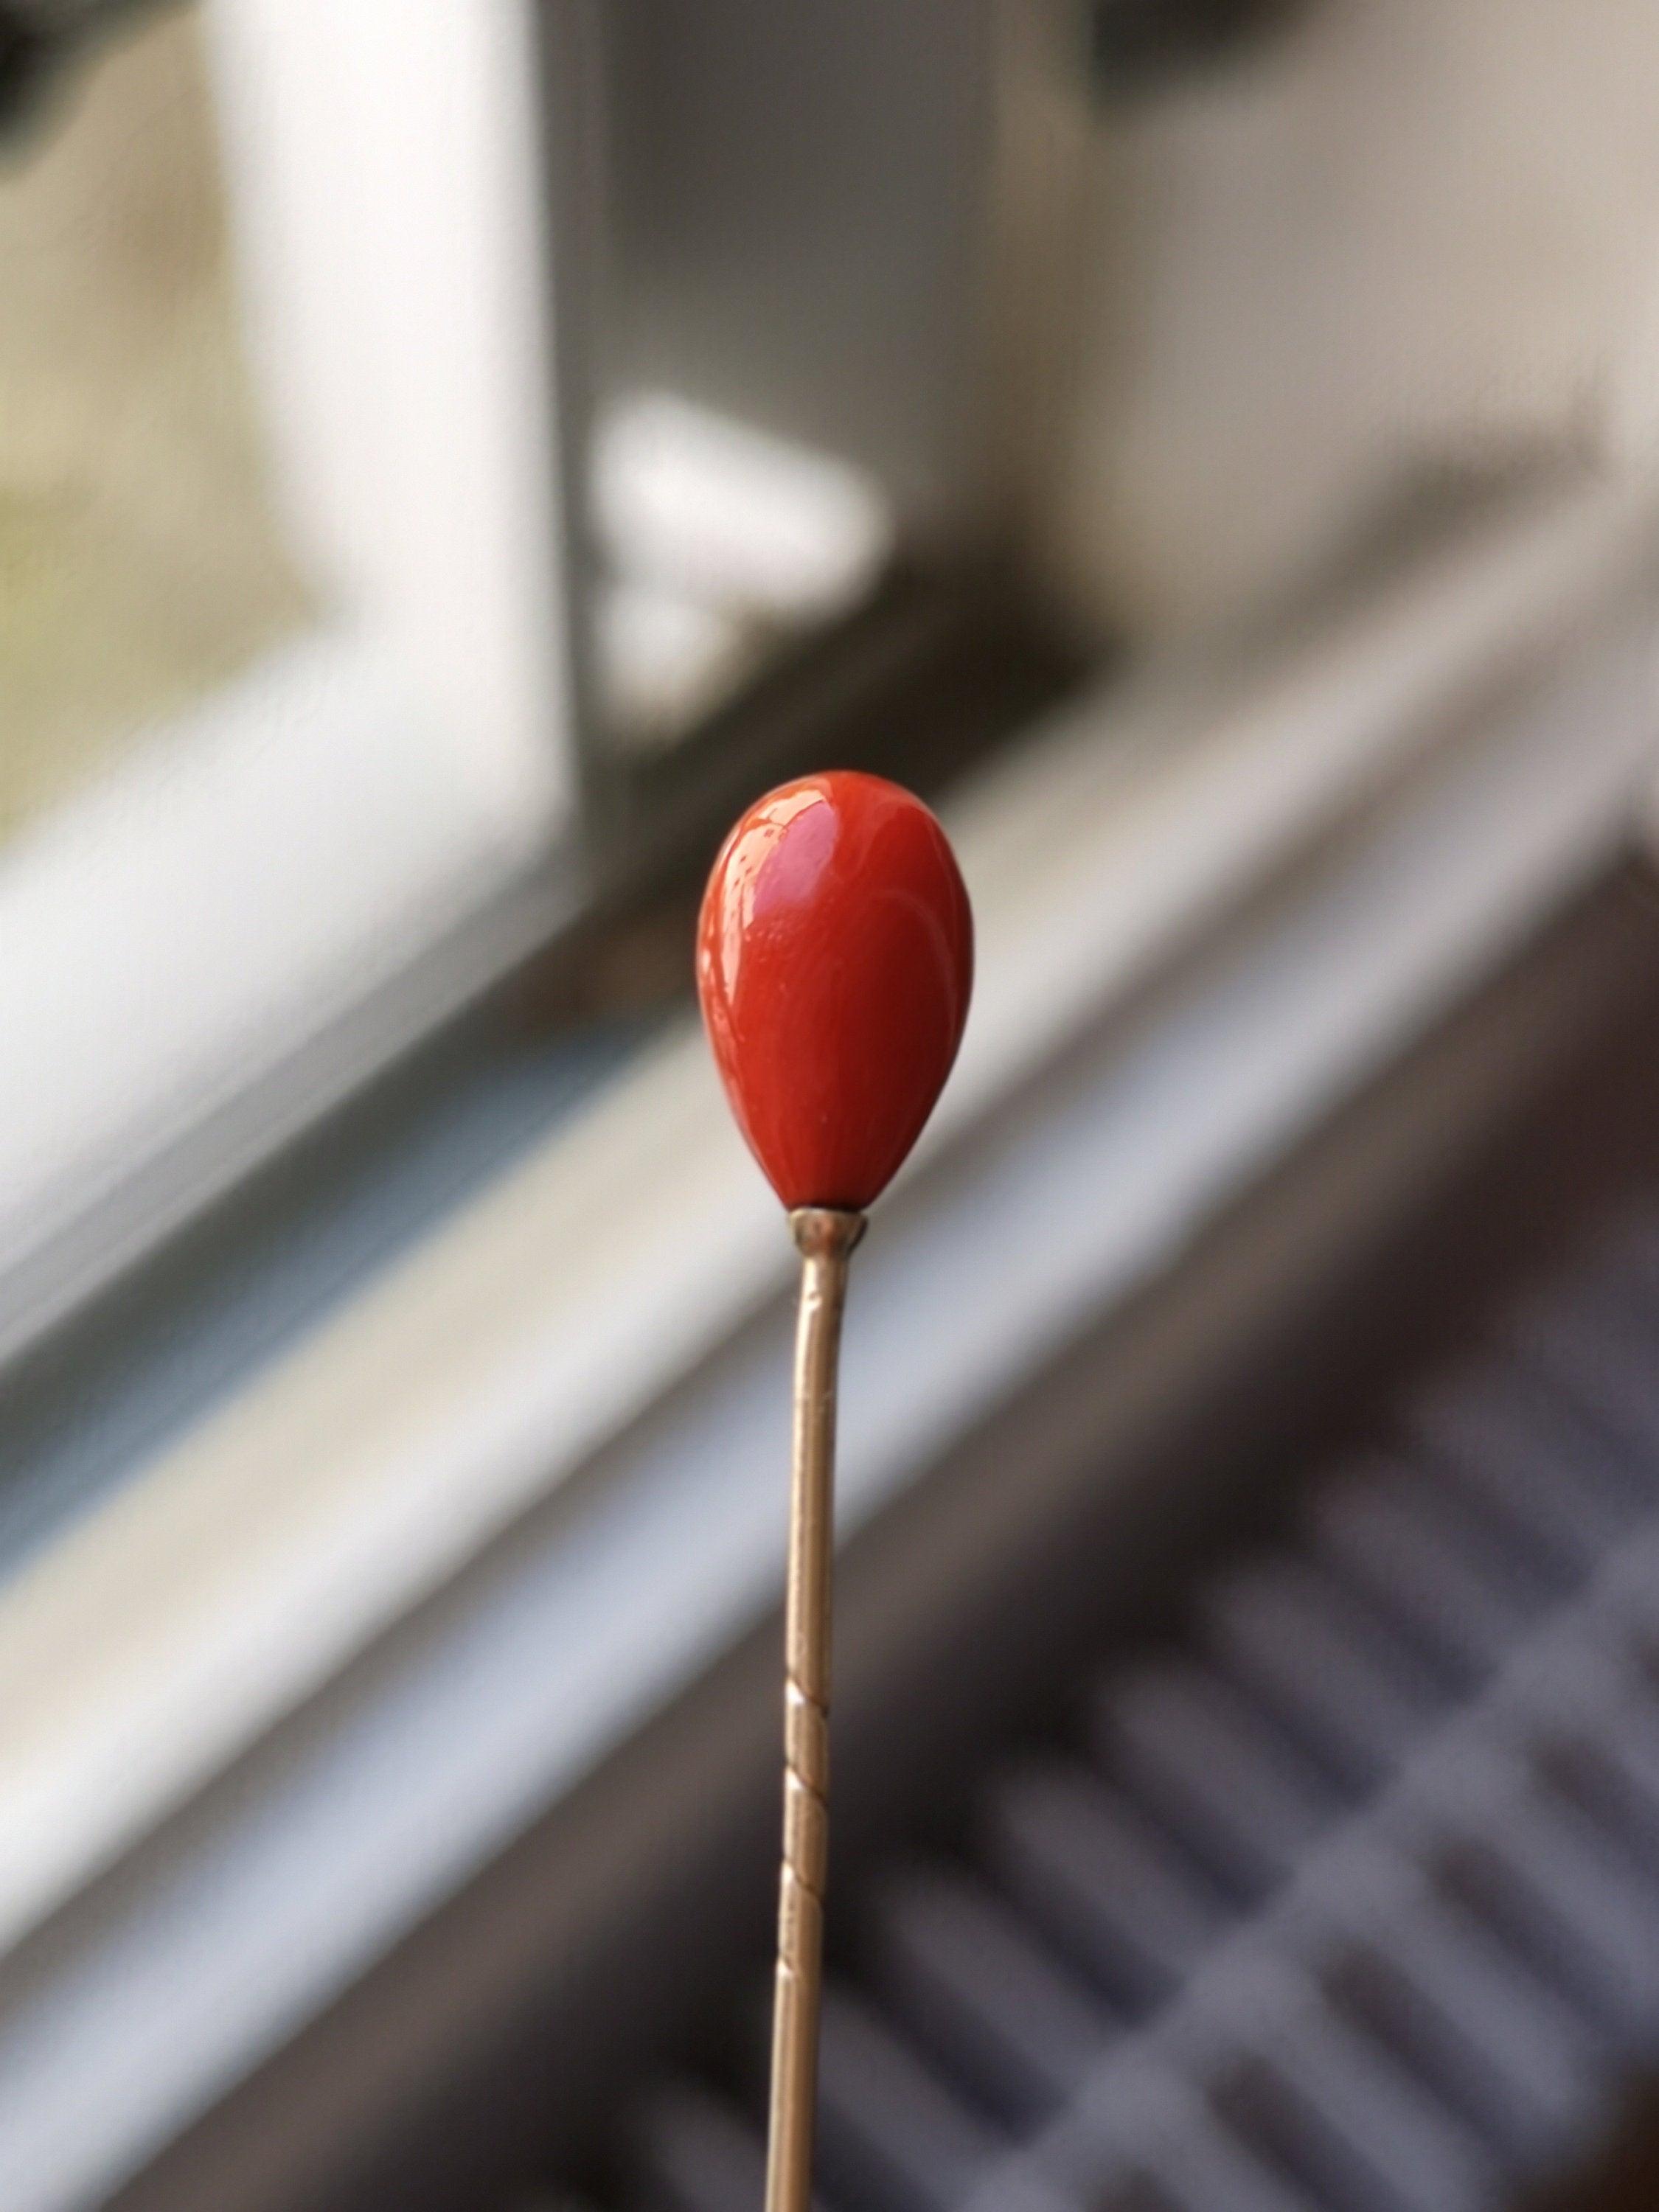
x,y
825,1240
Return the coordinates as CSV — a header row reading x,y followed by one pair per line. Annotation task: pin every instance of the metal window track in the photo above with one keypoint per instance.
x,y
1348,1901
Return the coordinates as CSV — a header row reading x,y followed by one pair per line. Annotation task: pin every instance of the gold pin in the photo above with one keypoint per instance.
x,y
835,958
825,1239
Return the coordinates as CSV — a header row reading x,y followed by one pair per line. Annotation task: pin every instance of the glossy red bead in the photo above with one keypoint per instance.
x,y
834,960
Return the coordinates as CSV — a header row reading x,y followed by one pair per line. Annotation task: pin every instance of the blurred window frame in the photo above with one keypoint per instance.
x,y
1164,837
1212,900
304,873
310,873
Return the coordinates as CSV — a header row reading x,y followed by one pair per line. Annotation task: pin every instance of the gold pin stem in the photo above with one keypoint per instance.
x,y
825,1239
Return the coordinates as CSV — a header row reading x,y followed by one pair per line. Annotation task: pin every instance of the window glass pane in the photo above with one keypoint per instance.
x,y
140,562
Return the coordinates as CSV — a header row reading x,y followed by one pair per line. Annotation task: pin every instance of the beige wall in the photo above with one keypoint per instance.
x,y
1405,240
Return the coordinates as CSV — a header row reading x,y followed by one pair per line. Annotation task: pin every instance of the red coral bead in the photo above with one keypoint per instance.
x,y
834,960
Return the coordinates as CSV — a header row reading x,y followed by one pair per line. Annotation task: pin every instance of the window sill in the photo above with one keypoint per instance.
x,y
1377,818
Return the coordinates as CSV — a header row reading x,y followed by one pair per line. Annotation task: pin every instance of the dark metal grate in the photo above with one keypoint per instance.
x,y
1347,1903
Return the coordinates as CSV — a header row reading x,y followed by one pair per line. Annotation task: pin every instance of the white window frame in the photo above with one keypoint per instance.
x,y
271,898
264,899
